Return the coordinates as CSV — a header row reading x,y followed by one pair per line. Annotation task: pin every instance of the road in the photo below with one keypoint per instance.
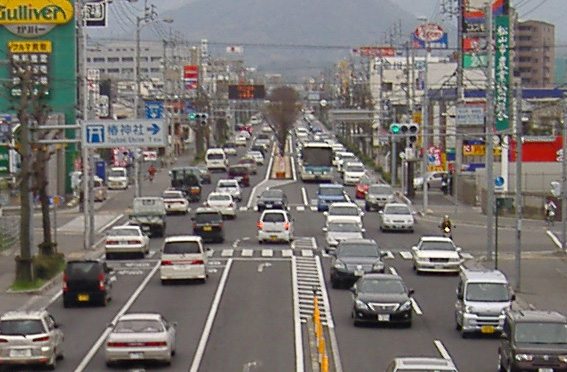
x,y
244,317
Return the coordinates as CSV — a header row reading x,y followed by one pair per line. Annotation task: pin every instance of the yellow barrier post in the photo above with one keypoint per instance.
x,y
325,364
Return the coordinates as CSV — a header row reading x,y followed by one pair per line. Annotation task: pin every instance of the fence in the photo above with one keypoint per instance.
x,y
9,231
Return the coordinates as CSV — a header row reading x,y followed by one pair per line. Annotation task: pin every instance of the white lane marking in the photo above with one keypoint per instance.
x,y
287,252
467,256
290,147
247,252
227,252
210,319
267,252
416,307
112,222
554,238
306,253
393,271
87,358
299,362
261,183
243,208
442,350
263,265
304,196
313,208
300,208
406,255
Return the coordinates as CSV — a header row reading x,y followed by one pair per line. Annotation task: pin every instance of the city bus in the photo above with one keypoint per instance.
x,y
316,163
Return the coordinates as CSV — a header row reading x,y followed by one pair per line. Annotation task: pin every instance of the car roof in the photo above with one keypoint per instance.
x,y
382,276
206,210
140,316
359,241
484,275
344,204
436,239
227,180
218,193
331,186
537,316
23,314
125,227
413,362
273,211
345,220
182,238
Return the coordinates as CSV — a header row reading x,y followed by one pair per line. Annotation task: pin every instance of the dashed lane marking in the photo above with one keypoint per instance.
x,y
247,252
406,255
267,253
287,252
227,252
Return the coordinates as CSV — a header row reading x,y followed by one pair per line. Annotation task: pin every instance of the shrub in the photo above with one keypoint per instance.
x,y
48,266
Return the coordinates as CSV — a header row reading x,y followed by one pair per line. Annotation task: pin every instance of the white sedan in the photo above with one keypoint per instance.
x,y
140,337
222,202
229,186
175,202
344,211
126,239
240,139
436,254
257,155
396,216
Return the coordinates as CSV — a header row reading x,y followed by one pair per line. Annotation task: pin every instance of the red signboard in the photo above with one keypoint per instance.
x,y
538,150
373,51
191,76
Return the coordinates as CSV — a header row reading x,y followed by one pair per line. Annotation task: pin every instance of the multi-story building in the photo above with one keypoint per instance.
x,y
535,54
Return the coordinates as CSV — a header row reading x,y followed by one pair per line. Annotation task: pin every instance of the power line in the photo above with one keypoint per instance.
x,y
536,7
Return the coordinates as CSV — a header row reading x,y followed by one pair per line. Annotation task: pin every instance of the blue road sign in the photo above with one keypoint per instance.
x,y
130,133
5,126
499,181
154,109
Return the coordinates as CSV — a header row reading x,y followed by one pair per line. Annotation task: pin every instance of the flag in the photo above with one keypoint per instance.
x,y
234,49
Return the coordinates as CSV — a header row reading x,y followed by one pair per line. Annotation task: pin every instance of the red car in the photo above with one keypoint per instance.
x,y
362,187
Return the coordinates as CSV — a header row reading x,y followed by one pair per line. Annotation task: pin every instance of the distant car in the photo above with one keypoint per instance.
x,y
257,155
396,216
30,337
353,172
275,225
117,178
250,162
229,186
436,254
434,180
126,240
208,224
381,298
241,173
229,148
261,148
354,258
175,201
344,210
343,158
140,337
339,230
271,199
328,194
240,139
183,257
266,129
87,282
377,196
204,174
222,202
421,364
362,186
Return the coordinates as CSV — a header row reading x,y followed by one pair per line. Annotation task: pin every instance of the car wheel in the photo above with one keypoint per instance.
x,y
109,256
367,207
334,283
67,303
52,363
164,282
458,327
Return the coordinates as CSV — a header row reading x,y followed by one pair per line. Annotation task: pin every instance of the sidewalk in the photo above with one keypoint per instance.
x,y
70,235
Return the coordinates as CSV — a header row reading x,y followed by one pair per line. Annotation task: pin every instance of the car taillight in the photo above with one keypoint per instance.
x,y
134,242
231,205
101,284
153,344
117,344
207,205
286,225
65,279
220,225
111,242
197,262
3,341
166,263
260,225
41,339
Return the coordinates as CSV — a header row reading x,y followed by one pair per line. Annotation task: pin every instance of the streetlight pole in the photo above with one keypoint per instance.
x,y
425,122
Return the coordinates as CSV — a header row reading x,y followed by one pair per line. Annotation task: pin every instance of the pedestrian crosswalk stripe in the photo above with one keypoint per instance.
x,y
307,253
467,256
247,252
227,252
406,255
313,209
300,208
267,253
287,252
243,209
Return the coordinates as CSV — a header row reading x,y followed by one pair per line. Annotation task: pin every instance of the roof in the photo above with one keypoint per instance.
x,y
24,314
358,241
412,362
436,239
133,316
483,275
331,186
381,276
182,238
125,227
537,316
344,204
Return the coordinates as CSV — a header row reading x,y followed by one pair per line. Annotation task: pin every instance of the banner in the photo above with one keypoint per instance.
x,y
502,73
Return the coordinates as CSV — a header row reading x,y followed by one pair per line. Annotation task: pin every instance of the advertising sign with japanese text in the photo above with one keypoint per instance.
x,y
502,73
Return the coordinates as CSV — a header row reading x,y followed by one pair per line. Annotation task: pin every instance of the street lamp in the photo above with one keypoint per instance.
x,y
425,117
141,22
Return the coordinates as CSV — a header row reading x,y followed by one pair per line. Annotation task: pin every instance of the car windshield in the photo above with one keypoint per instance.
x,y
273,217
487,292
541,333
272,194
238,170
21,327
124,232
181,248
380,190
396,209
343,227
355,168
212,217
331,191
344,211
116,173
437,246
217,197
138,326
357,250
215,157
83,270
382,286
172,195
227,185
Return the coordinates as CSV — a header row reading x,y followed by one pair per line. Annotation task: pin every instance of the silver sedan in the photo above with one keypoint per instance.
x,y
140,337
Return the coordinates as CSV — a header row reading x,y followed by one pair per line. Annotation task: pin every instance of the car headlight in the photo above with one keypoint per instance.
x,y
339,265
454,260
524,357
562,358
378,266
405,306
332,241
469,309
361,305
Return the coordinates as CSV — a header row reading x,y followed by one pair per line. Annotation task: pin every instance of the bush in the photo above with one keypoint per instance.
x,y
48,266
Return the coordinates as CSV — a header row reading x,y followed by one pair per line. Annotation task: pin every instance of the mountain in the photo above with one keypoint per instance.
x,y
285,36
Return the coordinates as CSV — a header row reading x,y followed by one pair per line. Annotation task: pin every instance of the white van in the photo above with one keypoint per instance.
x,y
117,178
216,159
183,257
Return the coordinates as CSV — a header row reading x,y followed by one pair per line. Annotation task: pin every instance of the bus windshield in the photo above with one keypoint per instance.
x,y
317,156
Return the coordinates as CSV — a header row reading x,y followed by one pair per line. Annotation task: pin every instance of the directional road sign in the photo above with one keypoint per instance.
x,y
154,109
124,133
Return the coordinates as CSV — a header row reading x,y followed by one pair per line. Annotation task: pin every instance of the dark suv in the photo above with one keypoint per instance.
x,y
87,281
533,341
241,173
207,223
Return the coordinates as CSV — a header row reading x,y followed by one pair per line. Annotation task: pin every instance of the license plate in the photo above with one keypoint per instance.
x,y
207,228
273,237
439,267
545,370
383,317
487,329
136,355
20,353
358,273
269,205
145,228
83,297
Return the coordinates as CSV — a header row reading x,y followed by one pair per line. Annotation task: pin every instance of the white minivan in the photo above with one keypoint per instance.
x,y
216,159
183,257
117,178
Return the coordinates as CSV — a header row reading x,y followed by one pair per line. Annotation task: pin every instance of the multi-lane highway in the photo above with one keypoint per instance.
x,y
248,315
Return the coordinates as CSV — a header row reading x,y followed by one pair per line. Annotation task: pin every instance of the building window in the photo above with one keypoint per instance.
x,y
387,87
127,70
88,59
113,59
144,70
98,59
155,59
113,70
127,59
144,59
154,69
102,70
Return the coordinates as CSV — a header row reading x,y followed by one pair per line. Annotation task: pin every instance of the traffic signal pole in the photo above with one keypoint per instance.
x,y
564,179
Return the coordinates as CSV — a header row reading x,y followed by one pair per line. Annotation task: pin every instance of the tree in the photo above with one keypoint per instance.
x,y
282,112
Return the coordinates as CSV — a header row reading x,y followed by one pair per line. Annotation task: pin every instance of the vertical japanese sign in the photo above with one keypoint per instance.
x,y
502,72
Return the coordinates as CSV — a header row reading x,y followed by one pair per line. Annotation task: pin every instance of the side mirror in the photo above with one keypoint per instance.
x,y
504,335
411,292
352,289
174,324
380,212
56,325
325,229
458,249
325,214
513,297
209,249
363,230
383,254
414,248
361,214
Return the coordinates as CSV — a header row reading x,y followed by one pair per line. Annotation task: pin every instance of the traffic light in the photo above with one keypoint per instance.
x,y
200,118
408,130
556,188
192,116
395,128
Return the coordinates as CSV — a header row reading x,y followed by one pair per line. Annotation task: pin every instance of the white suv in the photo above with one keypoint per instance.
x,y
275,225
216,159
30,337
183,257
353,172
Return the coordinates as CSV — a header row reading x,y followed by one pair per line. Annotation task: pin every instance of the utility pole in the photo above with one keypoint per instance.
x,y
518,207
425,128
489,138
564,179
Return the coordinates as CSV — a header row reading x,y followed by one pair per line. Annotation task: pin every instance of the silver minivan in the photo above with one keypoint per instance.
x,y
483,297
183,257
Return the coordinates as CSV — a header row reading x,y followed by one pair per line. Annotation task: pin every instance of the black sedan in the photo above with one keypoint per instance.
x,y
381,298
271,199
354,258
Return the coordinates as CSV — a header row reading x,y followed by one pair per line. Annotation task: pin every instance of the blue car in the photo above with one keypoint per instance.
x,y
328,194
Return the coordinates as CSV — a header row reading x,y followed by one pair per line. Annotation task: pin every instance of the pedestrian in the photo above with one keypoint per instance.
x,y
151,172
550,208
